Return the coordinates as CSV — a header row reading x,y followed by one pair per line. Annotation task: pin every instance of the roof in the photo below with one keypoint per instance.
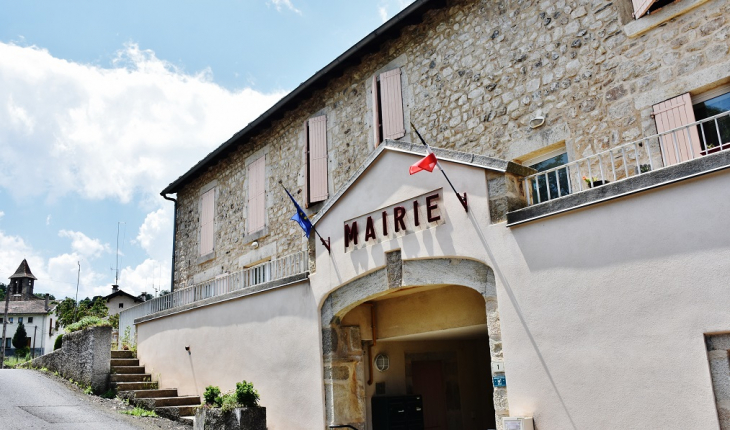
x,y
34,306
474,160
23,271
123,294
411,15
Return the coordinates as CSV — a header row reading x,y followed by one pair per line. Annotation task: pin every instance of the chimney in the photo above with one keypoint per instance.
x,y
115,288
46,302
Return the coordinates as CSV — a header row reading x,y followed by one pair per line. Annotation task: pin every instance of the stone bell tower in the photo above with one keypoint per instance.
x,y
21,283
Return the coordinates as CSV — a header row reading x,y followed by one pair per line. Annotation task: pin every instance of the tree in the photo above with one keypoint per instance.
x,y
3,287
68,313
43,296
145,296
20,341
164,293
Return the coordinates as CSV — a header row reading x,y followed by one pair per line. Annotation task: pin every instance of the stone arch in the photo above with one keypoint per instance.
x,y
341,346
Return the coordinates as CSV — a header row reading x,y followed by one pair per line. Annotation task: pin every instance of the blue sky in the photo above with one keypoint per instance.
x,y
102,104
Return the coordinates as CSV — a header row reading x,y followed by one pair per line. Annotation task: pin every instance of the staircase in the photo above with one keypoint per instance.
x,y
133,384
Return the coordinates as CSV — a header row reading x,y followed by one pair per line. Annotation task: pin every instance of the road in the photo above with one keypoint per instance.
x,y
32,400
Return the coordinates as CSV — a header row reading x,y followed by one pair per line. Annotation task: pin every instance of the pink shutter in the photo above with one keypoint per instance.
x,y
641,7
257,195
207,216
391,105
318,159
669,115
376,110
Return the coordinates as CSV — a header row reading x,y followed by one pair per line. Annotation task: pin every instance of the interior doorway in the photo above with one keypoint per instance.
x,y
428,382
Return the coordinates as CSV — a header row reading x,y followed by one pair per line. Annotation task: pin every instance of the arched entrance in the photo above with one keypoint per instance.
x,y
436,323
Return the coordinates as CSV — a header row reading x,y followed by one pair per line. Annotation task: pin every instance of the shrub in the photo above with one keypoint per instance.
x,y
20,343
87,322
58,343
246,395
212,396
228,402
114,320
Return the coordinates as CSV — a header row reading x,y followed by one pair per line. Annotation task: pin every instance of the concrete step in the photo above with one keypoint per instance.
x,y
123,354
145,394
124,362
177,401
175,412
133,386
190,421
127,369
131,377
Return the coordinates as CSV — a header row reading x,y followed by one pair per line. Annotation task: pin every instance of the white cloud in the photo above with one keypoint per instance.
x,y
2,214
384,6
85,245
146,277
155,234
109,132
48,220
279,4
383,12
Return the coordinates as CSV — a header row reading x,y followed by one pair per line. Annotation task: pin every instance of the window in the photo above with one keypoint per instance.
x,y
257,195
207,217
714,134
552,180
645,7
317,159
8,342
1,320
20,320
388,120
30,320
121,305
10,320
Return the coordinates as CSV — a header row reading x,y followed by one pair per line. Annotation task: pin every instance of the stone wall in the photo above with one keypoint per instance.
x,y
84,357
475,73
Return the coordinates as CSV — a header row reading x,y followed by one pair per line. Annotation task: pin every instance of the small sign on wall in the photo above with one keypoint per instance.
x,y
499,381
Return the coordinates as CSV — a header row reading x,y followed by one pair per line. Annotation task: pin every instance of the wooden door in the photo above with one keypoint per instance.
x,y
428,381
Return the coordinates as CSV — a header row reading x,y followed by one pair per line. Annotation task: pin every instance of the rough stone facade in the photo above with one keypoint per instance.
x,y
474,74
85,357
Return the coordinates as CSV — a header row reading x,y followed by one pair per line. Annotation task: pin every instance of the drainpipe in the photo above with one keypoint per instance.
x,y
174,240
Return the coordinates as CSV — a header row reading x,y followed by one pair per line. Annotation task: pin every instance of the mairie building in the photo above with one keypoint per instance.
x,y
567,266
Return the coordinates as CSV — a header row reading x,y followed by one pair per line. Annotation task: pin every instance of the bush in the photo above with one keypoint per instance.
x,y
212,396
20,343
114,320
246,395
87,322
59,342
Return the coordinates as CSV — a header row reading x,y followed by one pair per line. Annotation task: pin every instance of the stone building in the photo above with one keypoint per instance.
x,y
585,284
35,313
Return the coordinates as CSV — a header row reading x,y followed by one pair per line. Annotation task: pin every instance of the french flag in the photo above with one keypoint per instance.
x,y
429,162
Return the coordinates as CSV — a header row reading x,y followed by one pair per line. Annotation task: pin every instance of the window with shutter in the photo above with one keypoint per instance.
x,y
388,106
257,195
207,216
317,159
683,144
643,7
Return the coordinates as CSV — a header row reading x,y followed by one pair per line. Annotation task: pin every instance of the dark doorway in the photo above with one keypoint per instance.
x,y
428,381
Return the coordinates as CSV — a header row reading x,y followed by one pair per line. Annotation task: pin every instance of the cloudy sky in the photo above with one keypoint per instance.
x,y
102,104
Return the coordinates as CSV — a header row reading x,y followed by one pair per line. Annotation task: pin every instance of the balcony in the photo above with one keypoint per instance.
x,y
253,279
662,158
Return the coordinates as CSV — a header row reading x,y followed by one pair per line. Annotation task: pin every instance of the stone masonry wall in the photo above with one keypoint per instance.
x,y
85,357
475,73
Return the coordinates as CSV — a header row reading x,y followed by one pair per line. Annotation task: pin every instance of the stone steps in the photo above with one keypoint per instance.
x,y
134,384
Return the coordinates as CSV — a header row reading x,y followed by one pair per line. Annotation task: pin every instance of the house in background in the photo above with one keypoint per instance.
x,y
35,313
120,300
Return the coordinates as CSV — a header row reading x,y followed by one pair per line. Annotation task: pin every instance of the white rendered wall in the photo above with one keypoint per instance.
x,y
271,339
602,310
113,304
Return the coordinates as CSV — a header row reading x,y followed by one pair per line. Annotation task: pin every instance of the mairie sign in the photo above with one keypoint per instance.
x,y
416,214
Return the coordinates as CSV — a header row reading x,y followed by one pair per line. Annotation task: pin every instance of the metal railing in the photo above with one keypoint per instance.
x,y
631,159
273,270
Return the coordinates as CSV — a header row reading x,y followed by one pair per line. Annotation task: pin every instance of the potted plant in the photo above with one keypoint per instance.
x,y
593,182
237,410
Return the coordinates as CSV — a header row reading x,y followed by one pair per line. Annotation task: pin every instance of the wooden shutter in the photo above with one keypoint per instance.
x,y
257,195
207,215
669,115
391,105
641,7
317,137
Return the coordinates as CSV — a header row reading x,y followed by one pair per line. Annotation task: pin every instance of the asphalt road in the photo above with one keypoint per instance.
x,y
32,400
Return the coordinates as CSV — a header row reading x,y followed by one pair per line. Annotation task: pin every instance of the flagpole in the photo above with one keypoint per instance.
x,y
462,200
325,243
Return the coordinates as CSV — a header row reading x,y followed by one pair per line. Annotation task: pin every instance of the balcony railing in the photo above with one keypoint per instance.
x,y
655,152
273,270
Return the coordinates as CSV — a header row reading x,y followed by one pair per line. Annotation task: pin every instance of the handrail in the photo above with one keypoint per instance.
x,y
627,160
273,270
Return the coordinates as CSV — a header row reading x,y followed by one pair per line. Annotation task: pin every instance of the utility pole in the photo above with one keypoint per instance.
x,y
76,303
5,325
32,353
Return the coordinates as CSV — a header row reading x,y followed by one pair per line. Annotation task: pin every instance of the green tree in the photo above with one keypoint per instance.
x,y
3,288
20,341
68,313
145,296
43,296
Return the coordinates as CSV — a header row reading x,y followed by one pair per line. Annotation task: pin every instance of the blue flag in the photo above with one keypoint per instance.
x,y
300,217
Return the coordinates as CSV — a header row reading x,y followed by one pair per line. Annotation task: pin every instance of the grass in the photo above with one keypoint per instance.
x,y
87,322
13,361
139,412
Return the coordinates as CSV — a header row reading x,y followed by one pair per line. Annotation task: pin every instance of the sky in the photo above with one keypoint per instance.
x,y
102,104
